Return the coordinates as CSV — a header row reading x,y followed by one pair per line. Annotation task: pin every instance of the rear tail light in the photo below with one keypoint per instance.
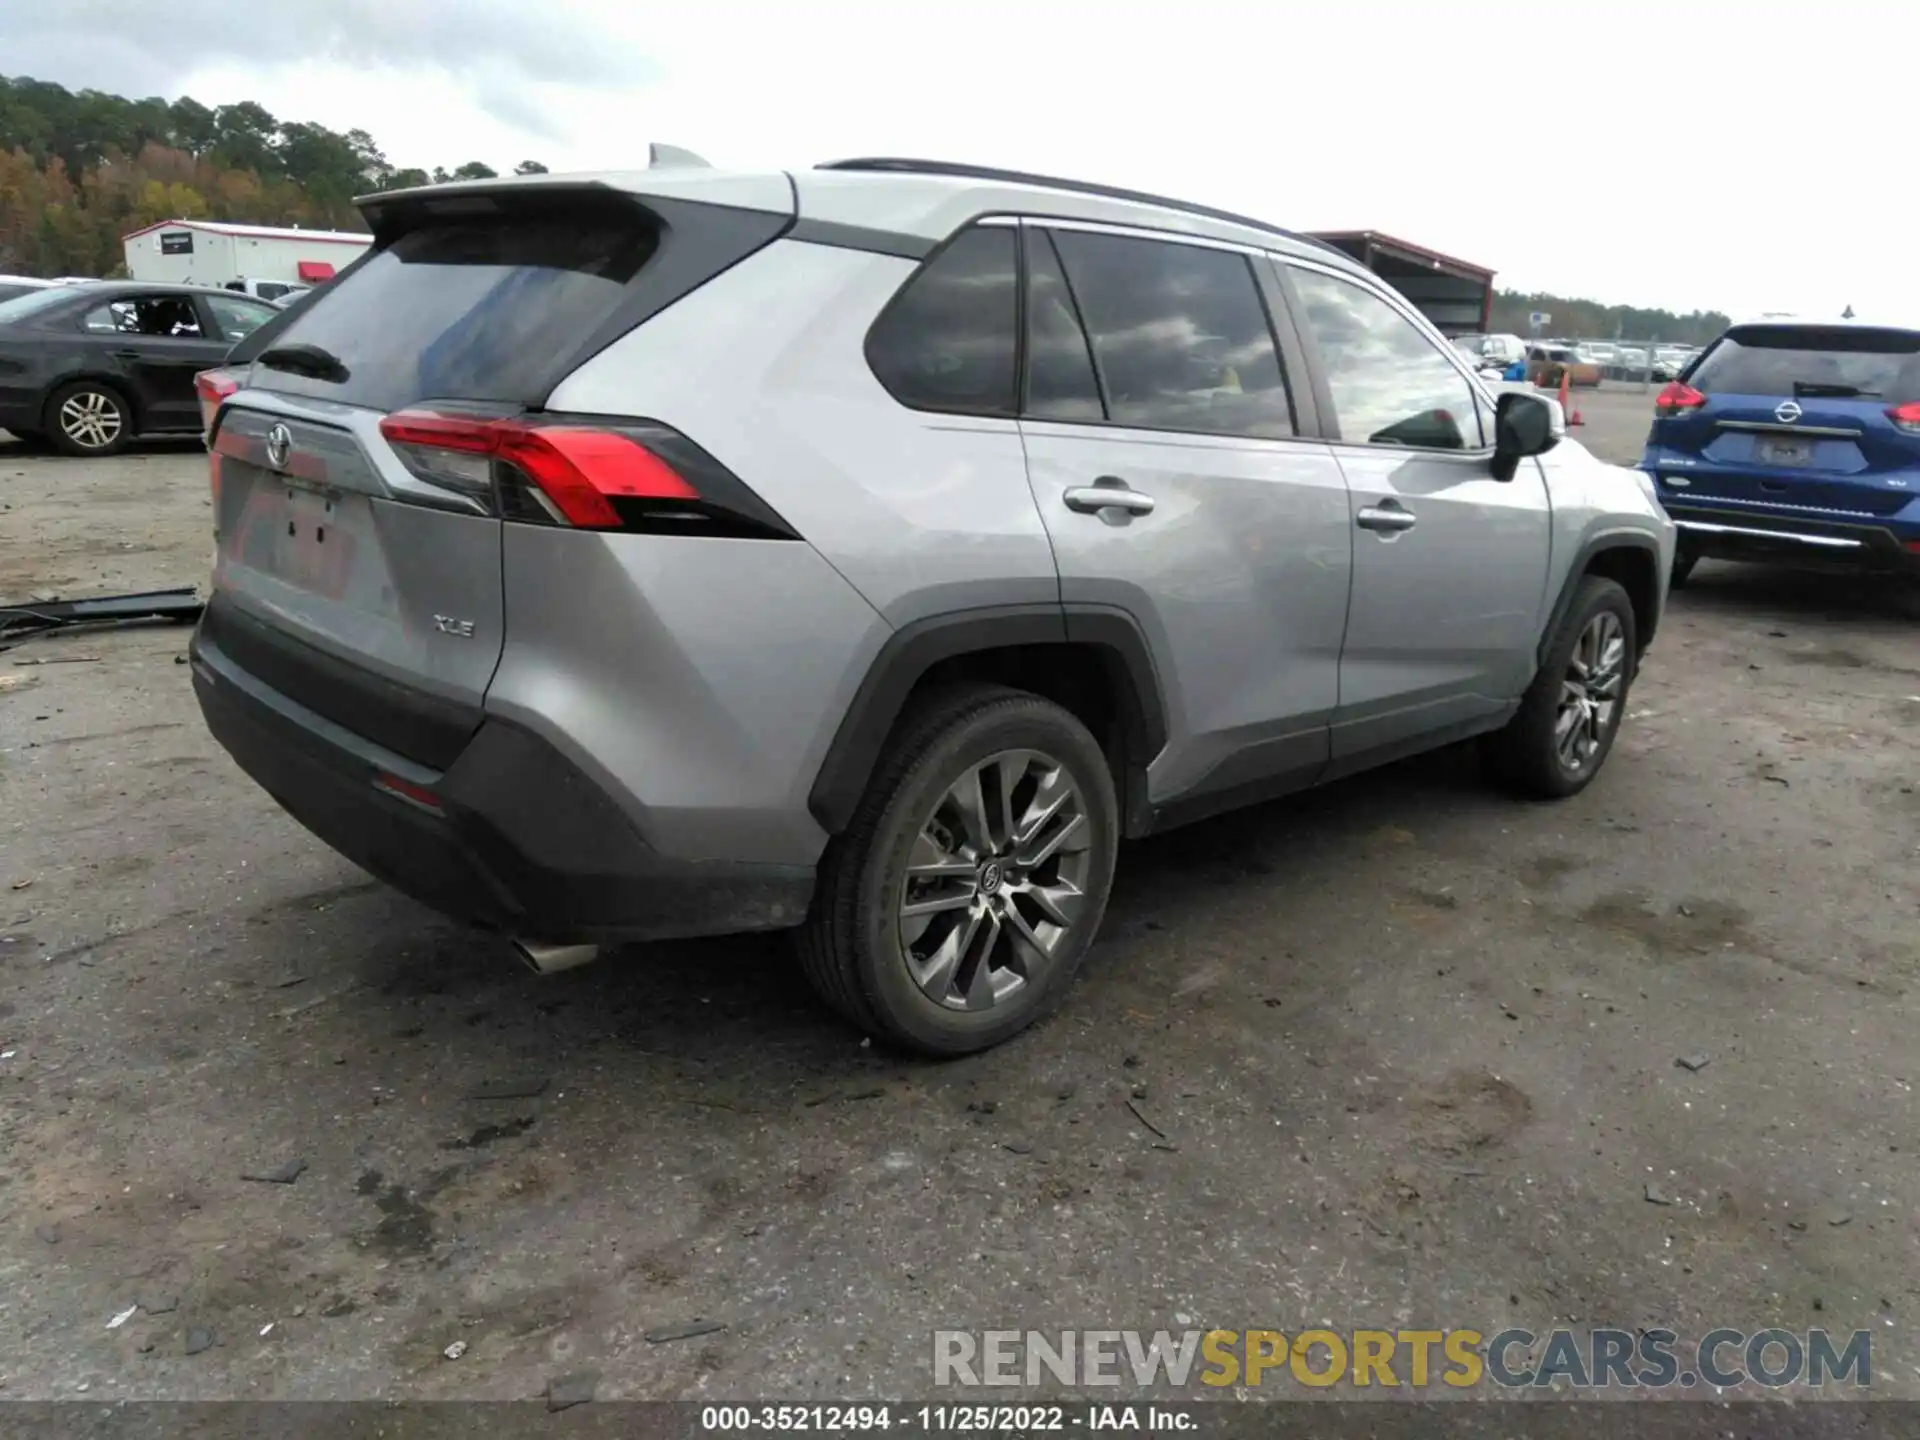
x,y
1677,399
213,386
1906,417
588,475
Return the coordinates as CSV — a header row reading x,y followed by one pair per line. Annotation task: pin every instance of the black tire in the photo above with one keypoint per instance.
x,y
1527,754
1683,562
69,436
852,948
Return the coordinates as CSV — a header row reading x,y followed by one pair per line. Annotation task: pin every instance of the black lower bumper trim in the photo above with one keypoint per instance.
x,y
525,843
1740,535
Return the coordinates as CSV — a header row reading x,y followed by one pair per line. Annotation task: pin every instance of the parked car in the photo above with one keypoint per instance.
x,y
14,286
1597,352
779,576
91,366
1546,362
1670,360
1797,439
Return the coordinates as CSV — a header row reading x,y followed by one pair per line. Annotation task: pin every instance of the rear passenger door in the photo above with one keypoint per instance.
x,y
1168,460
159,342
1449,564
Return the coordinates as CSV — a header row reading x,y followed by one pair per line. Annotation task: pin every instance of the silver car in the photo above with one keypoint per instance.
x,y
868,551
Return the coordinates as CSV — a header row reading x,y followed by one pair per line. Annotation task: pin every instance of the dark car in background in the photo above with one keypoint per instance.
x,y
89,368
1794,440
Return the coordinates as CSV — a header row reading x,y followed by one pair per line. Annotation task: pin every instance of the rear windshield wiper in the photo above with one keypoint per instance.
x,y
1832,391
308,360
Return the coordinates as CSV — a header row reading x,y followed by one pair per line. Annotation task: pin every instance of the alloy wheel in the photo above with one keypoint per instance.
x,y
1590,692
996,881
90,419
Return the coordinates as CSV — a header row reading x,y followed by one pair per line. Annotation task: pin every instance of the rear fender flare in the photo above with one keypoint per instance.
x,y
914,649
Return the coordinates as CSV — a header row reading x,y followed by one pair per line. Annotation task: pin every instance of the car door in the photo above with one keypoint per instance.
x,y
158,343
1449,564
234,317
1180,485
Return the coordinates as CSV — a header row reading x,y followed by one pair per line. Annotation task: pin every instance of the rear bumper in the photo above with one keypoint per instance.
x,y
1743,534
522,841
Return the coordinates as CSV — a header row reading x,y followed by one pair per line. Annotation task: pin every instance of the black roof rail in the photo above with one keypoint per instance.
x,y
900,166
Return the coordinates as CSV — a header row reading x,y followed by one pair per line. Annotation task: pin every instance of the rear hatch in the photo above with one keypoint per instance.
x,y
360,574
1797,417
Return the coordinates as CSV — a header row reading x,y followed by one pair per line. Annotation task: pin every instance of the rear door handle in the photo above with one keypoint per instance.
x,y
1386,518
1109,492
127,354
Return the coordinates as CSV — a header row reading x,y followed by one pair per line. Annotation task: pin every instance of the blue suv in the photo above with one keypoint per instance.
x,y
1794,439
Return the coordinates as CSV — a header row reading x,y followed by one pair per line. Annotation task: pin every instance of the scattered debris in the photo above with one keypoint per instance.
x,y
287,982
487,1134
528,1087
1836,1218
455,1350
874,1094
982,1107
684,1332
1686,910
199,1338
266,1329
1695,1062
1778,780
1166,1145
22,884
1796,1224
160,1304
61,660
1657,1196
1139,1115
48,1234
280,1175
1018,1147
125,1315
52,613
567,1391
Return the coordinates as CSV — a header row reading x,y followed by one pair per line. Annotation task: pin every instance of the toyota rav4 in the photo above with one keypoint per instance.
x,y
869,550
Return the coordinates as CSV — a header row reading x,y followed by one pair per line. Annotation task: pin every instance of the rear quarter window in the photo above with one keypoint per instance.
x,y
947,341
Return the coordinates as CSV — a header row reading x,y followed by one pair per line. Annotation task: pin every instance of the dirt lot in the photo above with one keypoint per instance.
x,y
1412,1047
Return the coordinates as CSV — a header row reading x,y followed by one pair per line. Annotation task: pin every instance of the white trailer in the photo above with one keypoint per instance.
x,y
258,258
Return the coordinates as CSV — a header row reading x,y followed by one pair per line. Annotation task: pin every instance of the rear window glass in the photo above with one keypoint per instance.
x,y
482,309
1807,360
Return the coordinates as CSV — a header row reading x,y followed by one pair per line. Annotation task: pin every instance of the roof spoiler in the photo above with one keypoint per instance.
x,y
667,157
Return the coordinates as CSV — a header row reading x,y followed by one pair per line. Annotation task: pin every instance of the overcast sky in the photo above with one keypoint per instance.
x,y
1685,153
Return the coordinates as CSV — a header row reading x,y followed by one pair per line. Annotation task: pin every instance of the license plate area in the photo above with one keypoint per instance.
x,y
1787,450
317,539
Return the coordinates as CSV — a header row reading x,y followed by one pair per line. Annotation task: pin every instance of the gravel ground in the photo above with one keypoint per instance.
x,y
1397,1052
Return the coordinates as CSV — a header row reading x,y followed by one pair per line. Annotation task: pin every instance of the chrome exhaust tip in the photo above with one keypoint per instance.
x,y
545,959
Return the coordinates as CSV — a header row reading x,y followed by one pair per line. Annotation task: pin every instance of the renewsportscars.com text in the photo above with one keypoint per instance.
x,y
1601,1358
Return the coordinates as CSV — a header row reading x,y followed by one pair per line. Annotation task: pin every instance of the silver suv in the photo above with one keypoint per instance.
x,y
868,550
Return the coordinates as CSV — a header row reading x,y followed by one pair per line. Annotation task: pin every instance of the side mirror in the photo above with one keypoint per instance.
x,y
1524,425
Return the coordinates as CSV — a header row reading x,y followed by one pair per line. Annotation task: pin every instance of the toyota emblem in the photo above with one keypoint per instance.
x,y
280,444
1787,413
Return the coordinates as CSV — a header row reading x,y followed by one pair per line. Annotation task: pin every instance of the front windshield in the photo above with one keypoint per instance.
x,y
32,303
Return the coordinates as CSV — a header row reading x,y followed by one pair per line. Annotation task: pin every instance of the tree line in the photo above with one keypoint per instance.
x,y
78,170
1591,320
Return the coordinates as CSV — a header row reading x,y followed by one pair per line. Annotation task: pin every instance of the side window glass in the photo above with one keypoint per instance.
x,y
1060,378
947,340
1180,335
160,315
238,318
1390,384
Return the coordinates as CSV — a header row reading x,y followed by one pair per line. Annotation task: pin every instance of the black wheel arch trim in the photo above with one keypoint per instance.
x,y
1594,545
914,649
